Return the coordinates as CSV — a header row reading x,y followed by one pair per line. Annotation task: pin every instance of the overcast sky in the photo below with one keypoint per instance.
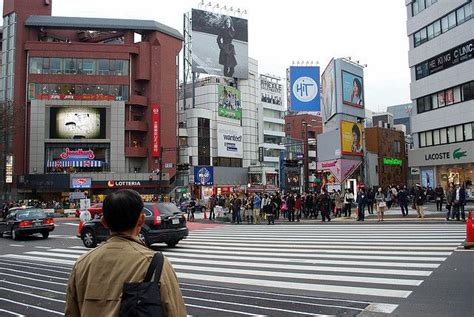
x,y
371,31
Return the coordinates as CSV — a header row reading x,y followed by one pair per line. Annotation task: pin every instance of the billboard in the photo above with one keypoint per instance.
x,y
351,138
81,182
229,104
271,90
352,90
328,91
155,123
304,88
77,123
219,44
229,141
203,175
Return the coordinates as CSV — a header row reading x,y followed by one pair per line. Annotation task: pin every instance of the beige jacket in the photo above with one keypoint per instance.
x,y
96,281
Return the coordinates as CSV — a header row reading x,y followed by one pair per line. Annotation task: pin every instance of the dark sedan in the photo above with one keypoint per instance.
x,y
164,222
21,222
198,207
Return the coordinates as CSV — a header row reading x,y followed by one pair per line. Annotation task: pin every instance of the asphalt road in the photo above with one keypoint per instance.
x,y
356,269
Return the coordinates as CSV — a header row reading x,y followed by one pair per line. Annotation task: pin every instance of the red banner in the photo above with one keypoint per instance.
x,y
155,137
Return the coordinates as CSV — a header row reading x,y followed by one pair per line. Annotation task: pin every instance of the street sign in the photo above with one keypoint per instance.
x,y
76,195
260,154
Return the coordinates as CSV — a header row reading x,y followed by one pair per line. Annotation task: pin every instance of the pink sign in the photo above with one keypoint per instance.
x,y
79,154
340,168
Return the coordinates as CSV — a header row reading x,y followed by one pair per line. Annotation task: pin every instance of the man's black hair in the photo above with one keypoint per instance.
x,y
122,209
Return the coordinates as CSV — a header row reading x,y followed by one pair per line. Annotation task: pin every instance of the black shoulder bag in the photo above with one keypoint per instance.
x,y
143,299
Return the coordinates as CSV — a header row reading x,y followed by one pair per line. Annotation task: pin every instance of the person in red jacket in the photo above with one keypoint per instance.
x,y
298,204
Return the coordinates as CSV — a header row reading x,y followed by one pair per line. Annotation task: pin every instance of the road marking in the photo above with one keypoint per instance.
x,y
253,306
41,247
33,295
32,306
62,236
3,259
381,308
32,279
37,258
75,224
35,287
69,256
34,274
293,267
303,276
17,245
220,309
11,313
70,251
305,244
22,265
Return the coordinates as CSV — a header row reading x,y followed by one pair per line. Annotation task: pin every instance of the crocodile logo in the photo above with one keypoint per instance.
x,y
457,154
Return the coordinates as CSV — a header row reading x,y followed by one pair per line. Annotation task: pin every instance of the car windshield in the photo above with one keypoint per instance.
x,y
168,209
30,214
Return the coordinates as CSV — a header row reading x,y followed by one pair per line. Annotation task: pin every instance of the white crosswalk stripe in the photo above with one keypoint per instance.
x,y
369,263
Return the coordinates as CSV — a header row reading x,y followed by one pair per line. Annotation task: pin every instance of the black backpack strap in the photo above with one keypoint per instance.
x,y
155,265
159,266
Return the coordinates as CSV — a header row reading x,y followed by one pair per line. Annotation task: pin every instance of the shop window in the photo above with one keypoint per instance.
x,y
459,133
443,136
468,127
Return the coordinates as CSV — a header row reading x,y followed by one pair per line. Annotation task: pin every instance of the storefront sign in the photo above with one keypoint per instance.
x,y
392,161
76,195
9,169
452,57
229,141
81,182
442,155
260,154
415,171
123,184
203,175
155,138
32,96
79,154
270,86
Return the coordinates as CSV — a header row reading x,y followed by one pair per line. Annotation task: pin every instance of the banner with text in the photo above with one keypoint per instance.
x,y
155,137
229,141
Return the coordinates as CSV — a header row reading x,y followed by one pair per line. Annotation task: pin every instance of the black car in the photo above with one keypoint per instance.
x,y
198,206
20,222
164,222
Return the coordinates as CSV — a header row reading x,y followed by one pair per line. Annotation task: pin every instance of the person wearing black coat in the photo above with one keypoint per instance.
x,y
402,198
439,197
361,201
308,205
325,205
370,201
290,204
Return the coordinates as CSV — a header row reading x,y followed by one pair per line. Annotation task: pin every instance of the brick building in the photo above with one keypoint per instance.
x,y
94,101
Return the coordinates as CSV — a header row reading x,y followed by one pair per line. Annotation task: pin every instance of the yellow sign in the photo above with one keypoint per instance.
x,y
351,138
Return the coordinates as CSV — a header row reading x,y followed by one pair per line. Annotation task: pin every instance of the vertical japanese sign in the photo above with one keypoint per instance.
x,y
155,138
9,169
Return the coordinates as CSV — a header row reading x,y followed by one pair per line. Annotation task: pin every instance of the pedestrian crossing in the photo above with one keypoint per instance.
x,y
327,268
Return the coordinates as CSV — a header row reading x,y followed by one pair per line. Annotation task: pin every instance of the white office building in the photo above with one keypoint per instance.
x,y
441,35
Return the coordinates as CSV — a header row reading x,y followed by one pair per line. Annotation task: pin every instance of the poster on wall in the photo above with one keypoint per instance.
x,y
203,175
229,104
155,123
304,88
77,123
220,44
328,91
352,90
229,141
427,178
271,90
351,138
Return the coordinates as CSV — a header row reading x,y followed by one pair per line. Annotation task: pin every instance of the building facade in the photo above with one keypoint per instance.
x,y
386,157
95,110
441,61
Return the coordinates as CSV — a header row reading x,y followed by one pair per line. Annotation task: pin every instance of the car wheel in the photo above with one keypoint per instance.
x,y
15,235
143,236
45,234
172,243
88,238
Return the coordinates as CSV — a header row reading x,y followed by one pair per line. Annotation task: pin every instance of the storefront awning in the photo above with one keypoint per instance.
x,y
75,163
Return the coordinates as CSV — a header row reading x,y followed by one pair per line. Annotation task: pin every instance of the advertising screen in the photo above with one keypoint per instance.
x,y
77,123
220,44
229,141
81,182
427,178
352,90
229,102
328,92
351,138
304,88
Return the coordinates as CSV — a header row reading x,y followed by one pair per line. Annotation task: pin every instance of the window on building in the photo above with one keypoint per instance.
x,y
436,140
468,10
468,91
468,127
456,94
443,135
429,138
204,142
398,147
422,70
444,24
449,97
434,101
55,65
441,99
452,20
451,134
437,28
36,65
459,133
88,66
460,15
422,139
288,126
430,31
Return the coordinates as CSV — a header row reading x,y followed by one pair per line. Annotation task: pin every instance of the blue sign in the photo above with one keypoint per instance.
x,y
81,182
304,86
299,156
203,175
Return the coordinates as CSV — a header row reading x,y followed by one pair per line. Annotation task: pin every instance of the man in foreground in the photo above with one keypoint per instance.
x,y
96,281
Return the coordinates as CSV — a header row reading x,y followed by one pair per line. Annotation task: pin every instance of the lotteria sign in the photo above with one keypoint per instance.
x,y
123,184
440,155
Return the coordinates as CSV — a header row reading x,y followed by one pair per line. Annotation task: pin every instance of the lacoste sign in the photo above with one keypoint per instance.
x,y
457,154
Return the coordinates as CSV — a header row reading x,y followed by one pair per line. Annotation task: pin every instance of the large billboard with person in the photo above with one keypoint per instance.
x,y
77,123
351,138
328,91
352,90
230,141
219,44
229,104
304,88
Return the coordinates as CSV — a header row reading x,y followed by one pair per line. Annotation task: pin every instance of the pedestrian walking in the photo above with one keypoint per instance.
x,y
257,201
309,202
270,210
419,200
402,197
248,209
314,211
325,205
237,205
459,203
361,203
191,209
212,205
388,198
439,197
338,201
381,204
99,278
277,200
290,205
450,197
298,204
348,200
370,201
